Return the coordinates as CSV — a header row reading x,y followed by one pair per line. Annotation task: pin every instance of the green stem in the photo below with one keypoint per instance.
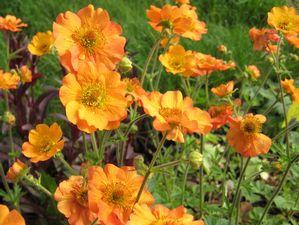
x,y
184,183
65,164
227,152
11,142
167,165
285,130
101,150
148,60
295,159
201,194
34,183
258,91
207,90
238,208
3,178
150,167
94,142
238,189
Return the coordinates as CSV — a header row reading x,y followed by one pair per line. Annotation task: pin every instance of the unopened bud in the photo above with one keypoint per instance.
x,y
196,159
294,57
139,164
222,49
270,59
125,65
9,118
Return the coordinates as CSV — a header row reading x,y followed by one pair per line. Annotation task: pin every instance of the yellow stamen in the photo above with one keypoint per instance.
x,y
94,95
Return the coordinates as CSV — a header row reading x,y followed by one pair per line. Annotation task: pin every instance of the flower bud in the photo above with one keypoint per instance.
x,y
125,65
222,49
9,118
196,159
140,165
15,171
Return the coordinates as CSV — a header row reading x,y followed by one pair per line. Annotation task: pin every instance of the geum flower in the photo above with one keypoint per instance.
x,y
11,23
25,74
253,71
290,88
160,215
8,80
15,170
182,20
223,90
263,38
41,43
88,35
72,198
245,135
284,19
10,217
133,90
220,115
113,191
44,142
175,115
94,98
178,61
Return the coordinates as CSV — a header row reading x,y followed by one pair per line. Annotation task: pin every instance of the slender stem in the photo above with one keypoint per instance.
x,y
65,164
258,91
148,60
3,178
238,208
11,142
184,183
207,90
295,159
101,150
270,107
84,141
167,165
238,189
294,125
34,183
149,170
201,194
94,142
227,152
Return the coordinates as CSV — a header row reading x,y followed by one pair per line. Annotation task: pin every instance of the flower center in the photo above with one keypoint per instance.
x,y
89,39
169,113
94,95
251,125
176,63
284,25
46,145
116,194
81,194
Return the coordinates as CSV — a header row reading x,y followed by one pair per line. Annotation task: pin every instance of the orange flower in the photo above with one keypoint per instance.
x,y
44,142
88,35
182,1
245,135
207,64
160,215
288,85
10,218
295,95
11,23
220,115
223,90
41,43
175,115
113,191
26,74
133,90
293,40
8,80
253,71
177,60
262,39
15,170
72,198
182,20
173,41
94,98
284,19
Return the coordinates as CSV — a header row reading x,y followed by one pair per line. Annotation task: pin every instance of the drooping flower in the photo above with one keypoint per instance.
x,y
25,74
245,135
160,215
223,90
41,43
8,80
263,38
182,21
207,64
15,170
10,217
220,115
288,85
89,35
72,198
178,61
113,191
293,39
44,142
175,115
94,98
253,71
284,19
11,23
133,90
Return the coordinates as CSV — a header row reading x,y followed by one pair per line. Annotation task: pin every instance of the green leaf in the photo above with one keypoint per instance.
x,y
211,220
293,112
48,182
